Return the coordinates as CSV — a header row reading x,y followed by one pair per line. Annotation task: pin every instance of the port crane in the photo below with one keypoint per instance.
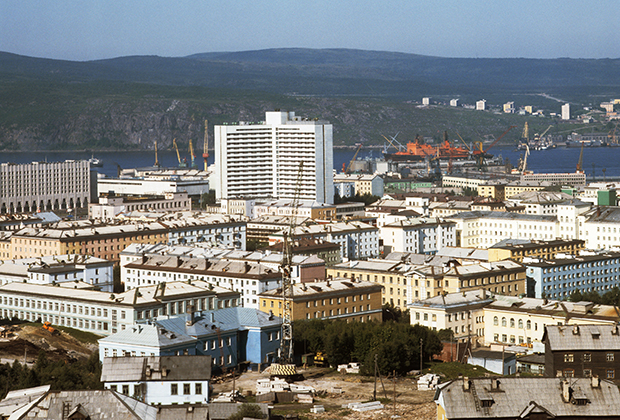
x,y
205,145
480,153
580,161
348,168
156,159
398,146
182,164
191,154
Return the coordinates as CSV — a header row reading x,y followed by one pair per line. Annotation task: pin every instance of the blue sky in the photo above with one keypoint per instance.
x,y
93,29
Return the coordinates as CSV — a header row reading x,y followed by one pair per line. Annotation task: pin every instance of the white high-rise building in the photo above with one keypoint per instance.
x,y
262,160
566,112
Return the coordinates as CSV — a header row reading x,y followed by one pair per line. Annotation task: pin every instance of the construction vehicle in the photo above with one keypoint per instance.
x,y
321,359
182,164
348,168
48,326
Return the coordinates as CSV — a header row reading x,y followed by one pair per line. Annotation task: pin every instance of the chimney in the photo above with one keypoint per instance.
x,y
495,384
212,317
596,381
575,329
190,315
466,384
566,390
270,315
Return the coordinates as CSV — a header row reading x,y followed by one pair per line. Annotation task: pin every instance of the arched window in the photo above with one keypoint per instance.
x,y
520,324
528,325
503,321
512,322
495,320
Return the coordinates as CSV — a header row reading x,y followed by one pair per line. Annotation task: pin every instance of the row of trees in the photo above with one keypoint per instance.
x,y
60,375
612,297
397,345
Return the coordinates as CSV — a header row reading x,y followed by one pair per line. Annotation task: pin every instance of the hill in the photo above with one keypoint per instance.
x,y
130,102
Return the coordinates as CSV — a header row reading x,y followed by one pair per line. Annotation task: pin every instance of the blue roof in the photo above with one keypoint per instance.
x,y
149,336
227,319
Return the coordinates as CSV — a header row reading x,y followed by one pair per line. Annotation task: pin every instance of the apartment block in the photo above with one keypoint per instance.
x,y
262,160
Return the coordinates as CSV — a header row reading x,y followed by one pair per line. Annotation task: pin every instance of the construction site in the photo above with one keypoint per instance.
x,y
326,394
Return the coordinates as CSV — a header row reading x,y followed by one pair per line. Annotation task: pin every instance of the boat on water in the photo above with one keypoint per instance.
x,y
94,162
418,151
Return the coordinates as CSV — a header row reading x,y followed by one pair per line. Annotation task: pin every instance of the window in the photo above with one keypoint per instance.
x,y
587,373
611,373
186,389
587,357
528,324
126,389
495,321
174,389
569,373
520,324
503,322
610,357
512,322
569,358
198,389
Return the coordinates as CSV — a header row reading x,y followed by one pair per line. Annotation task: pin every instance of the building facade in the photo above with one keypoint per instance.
x,y
418,235
43,186
343,299
263,160
77,306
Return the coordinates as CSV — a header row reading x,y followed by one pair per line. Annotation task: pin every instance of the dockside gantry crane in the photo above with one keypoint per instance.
x,y
205,145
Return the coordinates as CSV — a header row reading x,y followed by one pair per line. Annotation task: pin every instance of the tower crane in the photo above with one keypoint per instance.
x,y
286,366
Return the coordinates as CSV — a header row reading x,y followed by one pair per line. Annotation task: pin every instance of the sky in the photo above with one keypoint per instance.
x,y
97,29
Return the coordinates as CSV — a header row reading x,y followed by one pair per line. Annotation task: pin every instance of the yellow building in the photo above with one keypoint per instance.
x,y
518,249
495,191
504,277
85,238
515,188
334,299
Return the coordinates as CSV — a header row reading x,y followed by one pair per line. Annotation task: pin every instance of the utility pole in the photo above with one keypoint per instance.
x,y
374,394
421,347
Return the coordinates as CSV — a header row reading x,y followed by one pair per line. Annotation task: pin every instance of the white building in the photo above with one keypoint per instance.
x,y
566,112
481,105
42,186
419,235
357,240
159,380
509,107
454,102
96,272
111,205
426,101
363,183
156,182
75,305
540,202
483,229
262,160
220,230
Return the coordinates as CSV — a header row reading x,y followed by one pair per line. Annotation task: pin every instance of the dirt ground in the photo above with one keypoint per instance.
x,y
334,390
26,341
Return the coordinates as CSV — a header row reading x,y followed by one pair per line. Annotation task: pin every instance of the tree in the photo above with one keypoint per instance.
x,y
252,411
393,313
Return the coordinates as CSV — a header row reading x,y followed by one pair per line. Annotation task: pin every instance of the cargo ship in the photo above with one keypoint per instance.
x,y
417,151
